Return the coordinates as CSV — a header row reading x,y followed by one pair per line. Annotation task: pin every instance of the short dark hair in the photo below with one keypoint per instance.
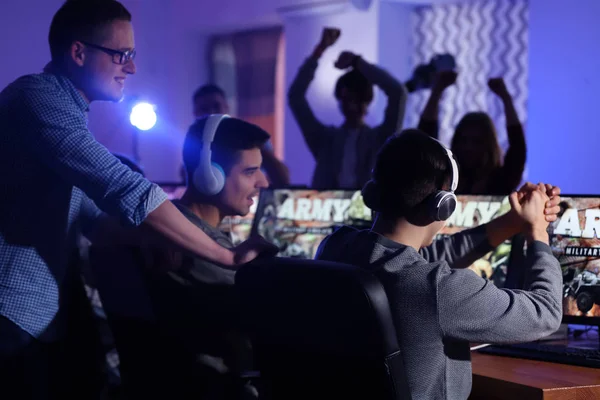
x,y
233,135
355,82
206,90
82,20
408,168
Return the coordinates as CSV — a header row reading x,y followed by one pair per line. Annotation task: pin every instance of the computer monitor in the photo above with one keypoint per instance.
x,y
297,220
475,210
575,242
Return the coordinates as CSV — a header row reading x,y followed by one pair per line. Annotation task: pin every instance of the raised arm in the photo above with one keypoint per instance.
x,y
396,94
462,249
516,155
312,129
498,86
429,122
472,309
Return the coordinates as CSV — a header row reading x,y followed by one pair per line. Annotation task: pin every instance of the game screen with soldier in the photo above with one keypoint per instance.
x,y
574,242
297,220
475,210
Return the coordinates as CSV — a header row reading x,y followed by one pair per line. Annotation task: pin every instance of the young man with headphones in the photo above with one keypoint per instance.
x,y
211,99
222,159
437,304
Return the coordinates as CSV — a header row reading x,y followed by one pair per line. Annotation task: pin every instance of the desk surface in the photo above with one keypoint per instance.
x,y
497,377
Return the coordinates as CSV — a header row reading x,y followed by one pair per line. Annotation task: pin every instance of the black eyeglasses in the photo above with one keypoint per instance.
x,y
119,57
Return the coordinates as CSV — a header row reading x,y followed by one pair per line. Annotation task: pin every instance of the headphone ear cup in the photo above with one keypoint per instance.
x,y
441,205
219,175
210,183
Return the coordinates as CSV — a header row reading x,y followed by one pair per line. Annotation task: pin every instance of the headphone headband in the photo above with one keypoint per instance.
x,y
210,129
443,202
209,177
453,166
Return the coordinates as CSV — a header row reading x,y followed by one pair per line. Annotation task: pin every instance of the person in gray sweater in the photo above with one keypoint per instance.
x,y
438,305
345,154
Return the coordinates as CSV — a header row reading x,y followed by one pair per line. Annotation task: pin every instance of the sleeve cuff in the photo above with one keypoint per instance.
x,y
156,196
538,247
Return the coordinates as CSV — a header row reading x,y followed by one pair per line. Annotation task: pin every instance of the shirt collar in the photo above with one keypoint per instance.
x,y
69,86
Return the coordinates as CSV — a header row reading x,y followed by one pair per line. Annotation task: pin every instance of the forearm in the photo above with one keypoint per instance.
x,y
508,225
472,309
302,80
310,127
432,108
502,228
514,160
509,111
318,51
459,250
167,221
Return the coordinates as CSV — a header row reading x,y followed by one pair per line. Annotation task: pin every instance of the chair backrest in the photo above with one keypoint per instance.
x,y
321,330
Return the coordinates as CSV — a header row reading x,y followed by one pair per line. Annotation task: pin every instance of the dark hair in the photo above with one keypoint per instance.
x,y
355,82
130,163
233,135
206,90
82,20
408,168
490,151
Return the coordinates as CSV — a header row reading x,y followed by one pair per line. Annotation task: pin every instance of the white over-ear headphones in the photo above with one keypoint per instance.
x,y
442,203
209,177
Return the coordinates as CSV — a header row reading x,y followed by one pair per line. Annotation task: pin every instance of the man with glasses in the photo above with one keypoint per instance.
x,y
120,57
46,150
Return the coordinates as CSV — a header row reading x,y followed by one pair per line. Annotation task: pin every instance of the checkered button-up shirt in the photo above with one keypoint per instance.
x,y
46,150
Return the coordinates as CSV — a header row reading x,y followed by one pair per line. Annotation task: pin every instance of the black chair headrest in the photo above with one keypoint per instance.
x,y
318,305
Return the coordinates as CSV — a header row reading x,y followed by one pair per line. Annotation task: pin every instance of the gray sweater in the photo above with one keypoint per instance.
x,y
438,307
327,143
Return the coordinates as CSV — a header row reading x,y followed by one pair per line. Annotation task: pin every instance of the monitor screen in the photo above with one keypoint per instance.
x,y
475,210
297,220
574,239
